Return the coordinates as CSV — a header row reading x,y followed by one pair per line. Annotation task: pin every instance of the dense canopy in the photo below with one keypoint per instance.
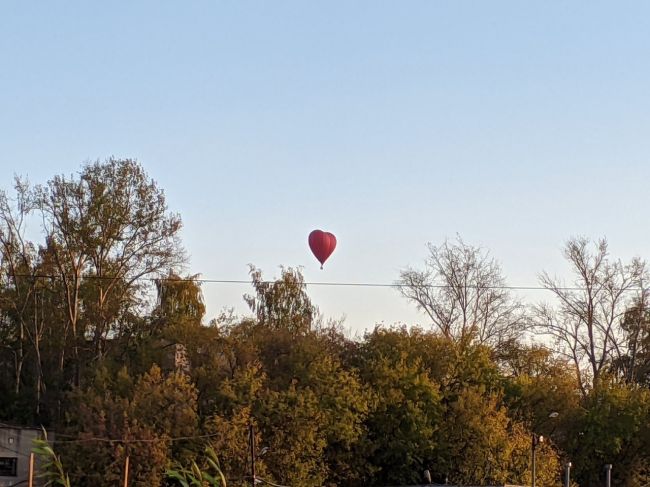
x,y
103,338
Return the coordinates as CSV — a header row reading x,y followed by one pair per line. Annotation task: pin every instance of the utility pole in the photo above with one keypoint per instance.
x,y
251,434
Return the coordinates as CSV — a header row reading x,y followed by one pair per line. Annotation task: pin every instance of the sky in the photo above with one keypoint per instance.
x,y
390,124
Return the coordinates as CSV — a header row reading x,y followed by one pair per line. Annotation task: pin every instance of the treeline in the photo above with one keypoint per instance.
x,y
102,341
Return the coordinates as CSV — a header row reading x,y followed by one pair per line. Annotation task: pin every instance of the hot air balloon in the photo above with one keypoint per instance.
x,y
322,244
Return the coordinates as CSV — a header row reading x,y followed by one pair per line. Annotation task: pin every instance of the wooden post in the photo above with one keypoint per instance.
x,y
126,472
31,470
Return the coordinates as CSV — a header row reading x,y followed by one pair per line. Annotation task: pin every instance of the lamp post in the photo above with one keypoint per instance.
x,y
567,474
608,475
427,477
536,440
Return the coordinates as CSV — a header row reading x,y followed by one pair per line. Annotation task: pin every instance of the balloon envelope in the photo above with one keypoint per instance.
x,y
322,244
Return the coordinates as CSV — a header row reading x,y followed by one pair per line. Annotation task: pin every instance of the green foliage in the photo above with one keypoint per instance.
x,y
52,471
89,350
476,442
209,475
230,437
634,365
309,408
482,446
451,364
282,304
405,416
140,417
179,306
537,384
614,427
296,450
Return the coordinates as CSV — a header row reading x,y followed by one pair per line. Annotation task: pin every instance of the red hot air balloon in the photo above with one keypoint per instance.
x,y
322,244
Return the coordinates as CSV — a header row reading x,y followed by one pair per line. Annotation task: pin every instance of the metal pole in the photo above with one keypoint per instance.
x,y
567,475
252,444
608,473
533,445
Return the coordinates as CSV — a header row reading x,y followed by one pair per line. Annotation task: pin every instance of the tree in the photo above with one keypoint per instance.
x,y
105,231
283,303
482,446
613,427
232,440
585,324
634,365
286,376
453,366
180,301
541,392
405,413
17,280
120,416
440,406
26,314
291,425
64,302
462,290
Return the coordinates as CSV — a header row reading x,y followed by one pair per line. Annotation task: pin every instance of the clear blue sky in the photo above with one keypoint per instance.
x,y
391,124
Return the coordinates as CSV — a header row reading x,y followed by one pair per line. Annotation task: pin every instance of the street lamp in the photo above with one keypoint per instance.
x,y
427,477
608,475
536,440
567,474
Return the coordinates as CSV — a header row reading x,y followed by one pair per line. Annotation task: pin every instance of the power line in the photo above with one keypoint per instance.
x,y
134,440
325,283
14,451
74,439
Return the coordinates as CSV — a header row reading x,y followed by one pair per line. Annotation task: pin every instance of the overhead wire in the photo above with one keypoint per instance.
x,y
75,439
329,283
135,440
127,441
